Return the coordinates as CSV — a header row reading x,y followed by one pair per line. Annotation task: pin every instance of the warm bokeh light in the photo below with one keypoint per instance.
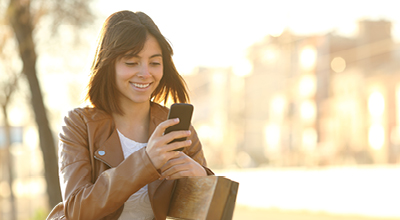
x,y
242,67
243,159
308,111
376,136
277,106
270,54
307,86
338,64
205,132
272,136
308,57
376,104
309,139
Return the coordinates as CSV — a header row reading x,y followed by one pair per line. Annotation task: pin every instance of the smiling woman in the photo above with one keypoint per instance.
x,y
114,158
137,76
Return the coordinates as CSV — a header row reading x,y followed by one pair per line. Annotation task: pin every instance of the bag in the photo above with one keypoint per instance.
x,y
203,198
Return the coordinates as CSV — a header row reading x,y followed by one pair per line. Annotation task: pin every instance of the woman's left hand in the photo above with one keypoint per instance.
x,y
180,166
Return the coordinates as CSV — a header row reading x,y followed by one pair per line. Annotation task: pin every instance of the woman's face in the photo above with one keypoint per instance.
x,y
138,76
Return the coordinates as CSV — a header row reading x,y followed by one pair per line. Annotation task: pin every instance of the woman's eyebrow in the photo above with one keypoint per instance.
x,y
156,55
128,56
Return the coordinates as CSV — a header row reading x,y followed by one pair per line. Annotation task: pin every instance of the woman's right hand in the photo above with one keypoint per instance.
x,y
158,149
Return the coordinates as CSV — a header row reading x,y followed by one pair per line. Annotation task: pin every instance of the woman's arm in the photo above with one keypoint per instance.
x,y
84,199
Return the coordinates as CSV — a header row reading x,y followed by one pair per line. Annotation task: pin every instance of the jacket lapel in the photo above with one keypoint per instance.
x,y
110,152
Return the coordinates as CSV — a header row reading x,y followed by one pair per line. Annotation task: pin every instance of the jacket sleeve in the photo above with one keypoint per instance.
x,y
84,199
195,151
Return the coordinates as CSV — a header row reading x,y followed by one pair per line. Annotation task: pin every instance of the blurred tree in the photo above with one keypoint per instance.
x,y
24,16
8,85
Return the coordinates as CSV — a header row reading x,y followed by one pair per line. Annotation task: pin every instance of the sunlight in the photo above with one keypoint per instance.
x,y
308,57
308,111
309,139
242,67
307,85
269,55
376,104
277,107
376,136
272,136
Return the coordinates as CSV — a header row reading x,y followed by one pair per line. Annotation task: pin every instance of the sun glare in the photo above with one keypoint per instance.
x,y
376,136
308,57
272,136
376,104
307,85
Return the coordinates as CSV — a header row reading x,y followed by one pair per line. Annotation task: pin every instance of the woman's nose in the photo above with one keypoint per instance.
x,y
144,71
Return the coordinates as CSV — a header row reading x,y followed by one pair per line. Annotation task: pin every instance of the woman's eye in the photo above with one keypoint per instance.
x,y
155,63
131,63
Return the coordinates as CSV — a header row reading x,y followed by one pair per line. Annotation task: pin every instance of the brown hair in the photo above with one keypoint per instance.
x,y
124,32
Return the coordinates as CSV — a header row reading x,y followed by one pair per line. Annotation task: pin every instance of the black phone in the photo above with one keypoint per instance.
x,y
184,112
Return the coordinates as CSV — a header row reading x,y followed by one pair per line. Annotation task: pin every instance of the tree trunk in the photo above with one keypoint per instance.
x,y
9,163
20,19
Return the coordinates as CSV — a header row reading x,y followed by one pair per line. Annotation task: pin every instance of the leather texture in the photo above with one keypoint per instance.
x,y
95,179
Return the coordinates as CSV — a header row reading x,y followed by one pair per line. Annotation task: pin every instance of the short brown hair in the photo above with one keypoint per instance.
x,y
124,32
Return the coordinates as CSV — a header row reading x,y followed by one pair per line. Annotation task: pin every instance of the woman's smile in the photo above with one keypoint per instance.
x,y
138,75
140,85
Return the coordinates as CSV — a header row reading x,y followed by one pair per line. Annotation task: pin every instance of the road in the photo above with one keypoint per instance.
x,y
248,213
366,192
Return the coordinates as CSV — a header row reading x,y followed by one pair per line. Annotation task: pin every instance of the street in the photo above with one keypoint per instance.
x,y
367,192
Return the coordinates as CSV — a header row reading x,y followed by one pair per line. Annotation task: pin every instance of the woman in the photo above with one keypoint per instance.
x,y
114,161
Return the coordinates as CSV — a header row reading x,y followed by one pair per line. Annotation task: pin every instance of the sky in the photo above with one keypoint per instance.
x,y
217,33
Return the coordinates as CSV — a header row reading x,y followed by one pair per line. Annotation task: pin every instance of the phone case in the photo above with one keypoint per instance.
x,y
184,112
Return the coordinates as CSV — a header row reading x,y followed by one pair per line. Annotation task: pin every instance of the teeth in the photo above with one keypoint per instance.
x,y
141,85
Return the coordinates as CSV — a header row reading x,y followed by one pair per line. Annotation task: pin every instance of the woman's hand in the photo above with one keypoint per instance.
x,y
181,165
158,149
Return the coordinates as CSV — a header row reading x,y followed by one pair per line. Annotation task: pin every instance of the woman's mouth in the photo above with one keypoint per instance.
x,y
141,85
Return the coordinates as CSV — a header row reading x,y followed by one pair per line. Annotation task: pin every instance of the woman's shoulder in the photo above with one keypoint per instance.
x,y
158,111
88,114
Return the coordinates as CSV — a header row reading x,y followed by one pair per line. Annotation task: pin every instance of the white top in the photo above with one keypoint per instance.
x,y
138,206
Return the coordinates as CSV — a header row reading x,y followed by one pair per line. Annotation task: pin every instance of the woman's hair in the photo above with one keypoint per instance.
x,y
126,32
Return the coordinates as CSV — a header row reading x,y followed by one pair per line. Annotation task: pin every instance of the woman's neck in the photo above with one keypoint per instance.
x,y
134,123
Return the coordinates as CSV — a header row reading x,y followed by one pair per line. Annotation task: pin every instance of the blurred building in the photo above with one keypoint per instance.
x,y
217,95
319,100
309,100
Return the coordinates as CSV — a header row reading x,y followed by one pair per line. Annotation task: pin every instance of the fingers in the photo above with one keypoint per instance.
x,y
160,158
180,166
177,145
179,158
158,134
160,129
160,149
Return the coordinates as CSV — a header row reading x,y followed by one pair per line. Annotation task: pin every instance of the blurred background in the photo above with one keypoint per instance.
x,y
298,101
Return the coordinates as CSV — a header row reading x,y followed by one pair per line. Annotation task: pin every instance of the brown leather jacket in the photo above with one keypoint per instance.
x,y
95,179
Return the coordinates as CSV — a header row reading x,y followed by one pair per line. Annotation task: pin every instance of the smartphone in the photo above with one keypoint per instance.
x,y
184,112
